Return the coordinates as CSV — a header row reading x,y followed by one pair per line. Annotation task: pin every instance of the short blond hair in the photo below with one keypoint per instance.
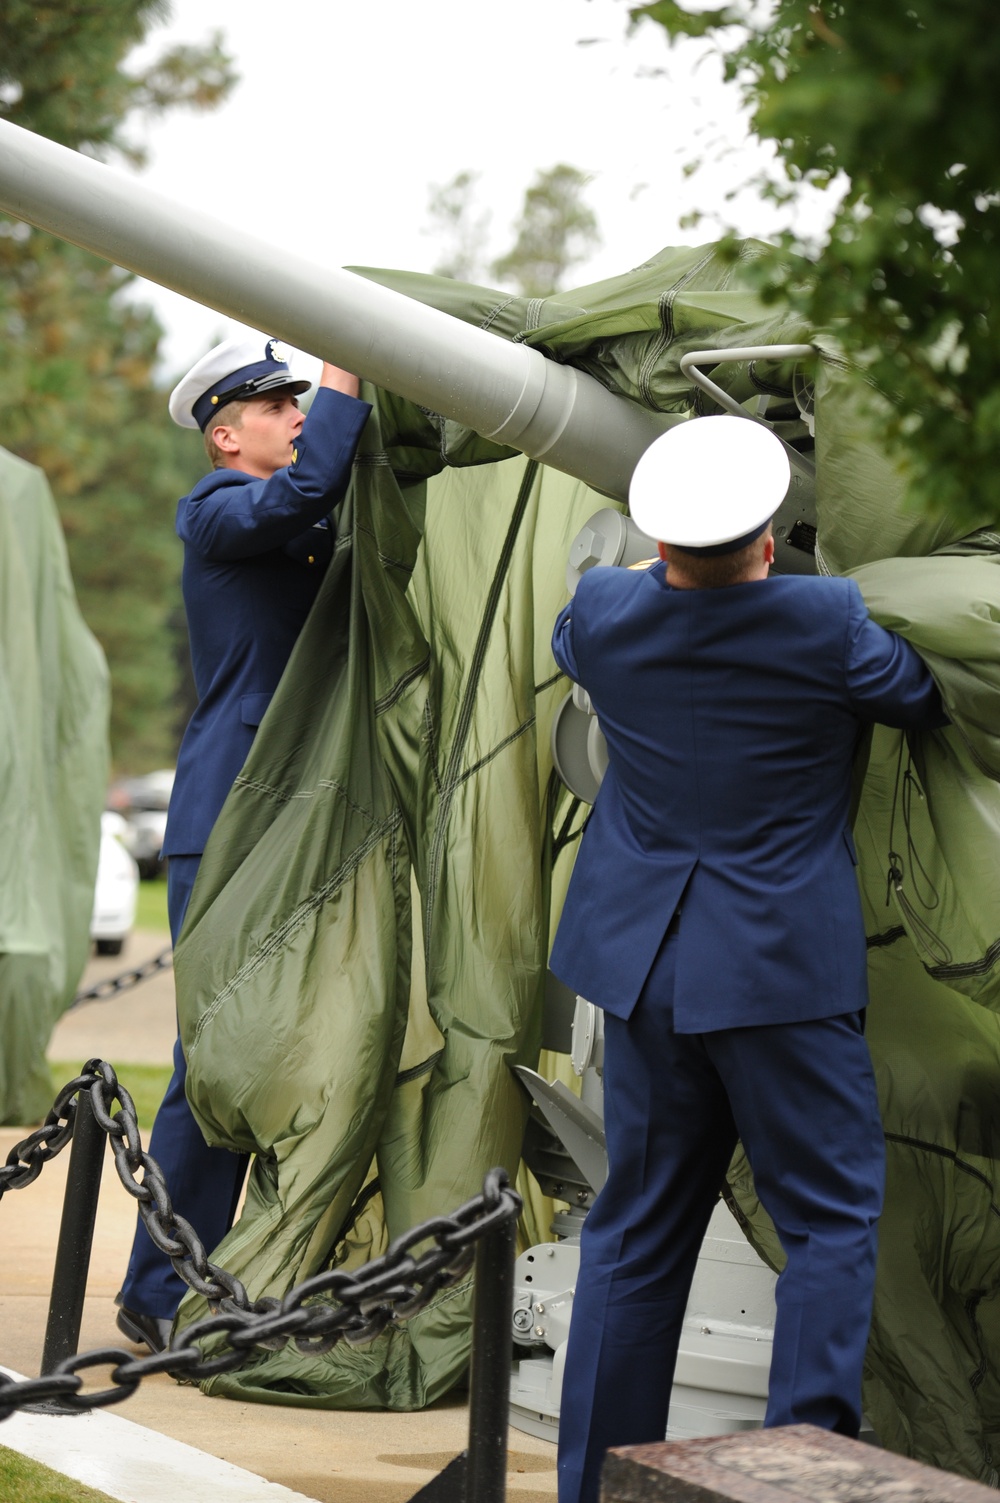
x,y
230,416
716,571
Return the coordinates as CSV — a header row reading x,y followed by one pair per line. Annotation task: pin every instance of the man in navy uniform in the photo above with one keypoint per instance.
x,y
714,915
258,535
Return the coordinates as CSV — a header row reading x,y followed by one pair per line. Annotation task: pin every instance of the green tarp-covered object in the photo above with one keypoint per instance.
x,y
53,779
365,952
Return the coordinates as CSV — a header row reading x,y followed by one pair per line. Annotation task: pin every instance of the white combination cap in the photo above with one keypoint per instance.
x,y
232,372
710,485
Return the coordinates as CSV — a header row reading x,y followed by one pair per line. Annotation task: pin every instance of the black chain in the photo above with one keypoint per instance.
x,y
387,1290
125,980
26,1159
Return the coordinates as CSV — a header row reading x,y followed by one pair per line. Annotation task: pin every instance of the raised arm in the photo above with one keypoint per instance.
x,y
334,379
562,643
246,518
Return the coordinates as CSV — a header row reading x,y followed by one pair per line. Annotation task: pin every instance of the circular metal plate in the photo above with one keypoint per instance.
x,y
571,750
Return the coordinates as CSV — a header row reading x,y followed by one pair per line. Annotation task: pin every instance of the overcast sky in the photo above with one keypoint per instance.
x,y
347,113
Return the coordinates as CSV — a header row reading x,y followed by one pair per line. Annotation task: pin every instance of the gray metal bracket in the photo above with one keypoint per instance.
x,y
579,1128
692,362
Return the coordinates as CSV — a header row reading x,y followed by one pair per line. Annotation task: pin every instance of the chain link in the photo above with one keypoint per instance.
x,y
26,1159
385,1291
111,986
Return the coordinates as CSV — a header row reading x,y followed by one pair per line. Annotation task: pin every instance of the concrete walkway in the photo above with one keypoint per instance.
x,y
330,1456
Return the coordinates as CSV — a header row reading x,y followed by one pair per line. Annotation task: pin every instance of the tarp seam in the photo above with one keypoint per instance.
x,y
378,459
769,388
464,721
971,1307
326,784
945,1153
432,745
386,559
968,967
424,1068
277,938
337,787
394,855
391,696
500,746
492,317
665,311
886,937
258,787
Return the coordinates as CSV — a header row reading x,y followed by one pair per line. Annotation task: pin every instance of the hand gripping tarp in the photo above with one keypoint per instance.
x,y
366,946
53,780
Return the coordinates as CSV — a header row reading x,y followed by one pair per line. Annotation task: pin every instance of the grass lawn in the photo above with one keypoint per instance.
x,y
30,1482
151,911
145,1083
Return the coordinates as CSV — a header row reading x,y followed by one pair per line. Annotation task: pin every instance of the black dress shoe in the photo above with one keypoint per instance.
x,y
145,1330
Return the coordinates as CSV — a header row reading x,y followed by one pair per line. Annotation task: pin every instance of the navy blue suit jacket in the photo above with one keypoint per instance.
x,y
255,552
732,716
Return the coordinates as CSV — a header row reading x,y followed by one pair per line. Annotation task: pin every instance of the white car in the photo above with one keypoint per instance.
x,y
143,804
117,888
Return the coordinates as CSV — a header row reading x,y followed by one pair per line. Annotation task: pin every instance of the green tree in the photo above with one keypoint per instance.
x,y
556,231
899,97
77,393
461,227
62,73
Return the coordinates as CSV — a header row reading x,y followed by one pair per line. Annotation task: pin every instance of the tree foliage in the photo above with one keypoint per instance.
x,y
62,73
898,97
462,227
77,392
556,231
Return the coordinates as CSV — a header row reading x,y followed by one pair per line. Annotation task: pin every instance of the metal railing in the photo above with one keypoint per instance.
x,y
93,1108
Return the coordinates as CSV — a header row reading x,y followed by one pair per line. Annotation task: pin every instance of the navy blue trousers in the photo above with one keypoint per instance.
x,y
802,1099
203,1183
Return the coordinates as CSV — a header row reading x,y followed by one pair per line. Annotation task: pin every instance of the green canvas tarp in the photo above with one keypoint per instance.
x,y
53,780
364,957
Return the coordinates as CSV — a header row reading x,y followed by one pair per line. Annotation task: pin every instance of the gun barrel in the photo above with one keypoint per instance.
x,y
504,391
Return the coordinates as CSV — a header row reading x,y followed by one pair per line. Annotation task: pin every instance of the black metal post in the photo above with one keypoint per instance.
x,y
76,1236
489,1382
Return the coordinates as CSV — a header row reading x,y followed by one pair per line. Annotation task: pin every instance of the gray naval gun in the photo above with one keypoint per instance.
x,y
514,395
